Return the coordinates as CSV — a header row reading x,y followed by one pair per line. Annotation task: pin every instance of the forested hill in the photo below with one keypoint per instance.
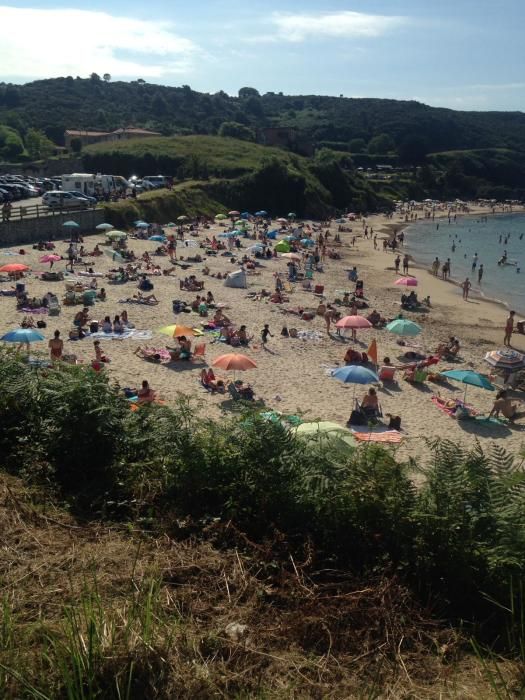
x,y
409,129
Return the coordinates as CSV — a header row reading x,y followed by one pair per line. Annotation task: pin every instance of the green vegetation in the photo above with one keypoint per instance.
x,y
233,173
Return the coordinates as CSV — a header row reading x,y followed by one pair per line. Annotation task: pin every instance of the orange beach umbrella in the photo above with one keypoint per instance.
x,y
14,267
234,361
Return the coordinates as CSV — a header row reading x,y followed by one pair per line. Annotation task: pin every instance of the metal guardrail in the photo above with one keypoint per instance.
x,y
37,211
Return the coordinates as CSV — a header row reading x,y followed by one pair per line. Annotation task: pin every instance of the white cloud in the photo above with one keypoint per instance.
x,y
43,43
341,25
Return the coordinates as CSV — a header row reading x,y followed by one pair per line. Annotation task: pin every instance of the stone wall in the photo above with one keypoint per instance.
x,y
48,227
47,168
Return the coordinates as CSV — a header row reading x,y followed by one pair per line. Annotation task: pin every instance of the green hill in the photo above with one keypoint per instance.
x,y
223,173
60,103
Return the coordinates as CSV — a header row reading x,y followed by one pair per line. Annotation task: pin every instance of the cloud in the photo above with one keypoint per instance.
x,y
38,43
340,25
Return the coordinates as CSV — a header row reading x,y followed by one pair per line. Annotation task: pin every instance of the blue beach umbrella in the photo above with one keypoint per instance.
x,y
158,238
262,212
245,215
22,335
307,241
402,326
70,224
142,224
355,374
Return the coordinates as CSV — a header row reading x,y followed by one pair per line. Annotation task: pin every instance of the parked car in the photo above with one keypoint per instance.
x,y
77,193
56,199
156,181
5,196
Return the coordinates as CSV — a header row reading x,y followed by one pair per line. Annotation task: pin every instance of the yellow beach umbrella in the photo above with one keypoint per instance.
x,y
176,331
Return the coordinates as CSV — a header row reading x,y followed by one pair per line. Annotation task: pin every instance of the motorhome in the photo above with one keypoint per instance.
x,y
94,185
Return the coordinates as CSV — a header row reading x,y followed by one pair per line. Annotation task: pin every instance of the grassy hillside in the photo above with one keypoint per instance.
x,y
233,174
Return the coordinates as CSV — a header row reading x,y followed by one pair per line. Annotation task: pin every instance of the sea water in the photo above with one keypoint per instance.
x,y
506,283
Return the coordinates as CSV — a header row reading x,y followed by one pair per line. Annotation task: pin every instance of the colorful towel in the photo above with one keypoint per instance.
x,y
377,435
451,410
130,334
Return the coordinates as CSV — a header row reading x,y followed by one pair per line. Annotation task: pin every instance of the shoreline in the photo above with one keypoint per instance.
x,y
478,295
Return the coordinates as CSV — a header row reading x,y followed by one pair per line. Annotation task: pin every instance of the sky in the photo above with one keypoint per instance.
x,y
461,54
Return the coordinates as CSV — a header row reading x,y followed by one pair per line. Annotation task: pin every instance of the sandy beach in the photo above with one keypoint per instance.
x,y
291,374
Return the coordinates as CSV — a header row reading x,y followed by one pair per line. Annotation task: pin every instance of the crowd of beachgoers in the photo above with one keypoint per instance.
x,y
319,321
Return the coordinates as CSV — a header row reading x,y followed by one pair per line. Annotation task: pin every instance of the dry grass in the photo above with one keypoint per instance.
x,y
220,618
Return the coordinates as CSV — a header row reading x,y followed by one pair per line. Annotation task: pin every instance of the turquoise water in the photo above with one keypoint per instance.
x,y
470,236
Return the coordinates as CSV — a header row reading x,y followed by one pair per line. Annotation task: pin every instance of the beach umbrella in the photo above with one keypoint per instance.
x,y
353,322
469,378
282,221
182,218
14,267
402,326
328,435
307,242
171,224
229,234
50,258
257,248
282,247
176,331
245,215
292,215
234,361
505,359
355,374
142,224
22,335
70,224
115,256
117,235
233,213
139,221
104,227
290,256
406,282
157,237
221,217
262,212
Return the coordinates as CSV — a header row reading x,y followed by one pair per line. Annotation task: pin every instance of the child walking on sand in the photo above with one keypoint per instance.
x,y
265,333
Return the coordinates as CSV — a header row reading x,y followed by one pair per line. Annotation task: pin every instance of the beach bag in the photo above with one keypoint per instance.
x,y
357,418
394,423
284,332
41,324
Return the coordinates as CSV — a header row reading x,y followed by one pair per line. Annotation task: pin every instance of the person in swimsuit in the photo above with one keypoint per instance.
x,y
509,328
56,346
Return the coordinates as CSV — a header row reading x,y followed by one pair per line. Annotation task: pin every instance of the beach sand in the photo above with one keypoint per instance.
x,y
291,374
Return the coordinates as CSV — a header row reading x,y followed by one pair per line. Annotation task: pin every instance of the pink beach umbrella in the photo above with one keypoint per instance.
x,y
406,282
353,322
50,258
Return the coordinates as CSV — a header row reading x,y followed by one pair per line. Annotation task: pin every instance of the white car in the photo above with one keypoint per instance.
x,y
56,199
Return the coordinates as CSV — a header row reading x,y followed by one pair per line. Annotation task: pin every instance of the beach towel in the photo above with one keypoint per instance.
x,y
131,333
451,410
379,434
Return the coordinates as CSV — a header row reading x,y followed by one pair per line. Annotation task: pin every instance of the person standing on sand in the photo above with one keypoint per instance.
x,y
265,333
405,264
56,346
435,267
480,273
397,263
466,288
509,328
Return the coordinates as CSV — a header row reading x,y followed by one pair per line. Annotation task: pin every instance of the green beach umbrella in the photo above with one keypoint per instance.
x,y
331,437
282,247
402,326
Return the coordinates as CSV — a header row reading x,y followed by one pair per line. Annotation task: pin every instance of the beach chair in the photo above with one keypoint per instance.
x,y
287,287
53,306
232,390
387,374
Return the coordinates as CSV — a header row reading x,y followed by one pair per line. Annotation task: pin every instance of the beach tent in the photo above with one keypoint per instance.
x,y
282,247
237,279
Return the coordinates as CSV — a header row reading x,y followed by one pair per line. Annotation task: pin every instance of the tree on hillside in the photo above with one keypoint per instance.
x,y
95,77
11,145
413,149
383,143
246,92
159,104
254,106
107,77
236,131
38,145
357,146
